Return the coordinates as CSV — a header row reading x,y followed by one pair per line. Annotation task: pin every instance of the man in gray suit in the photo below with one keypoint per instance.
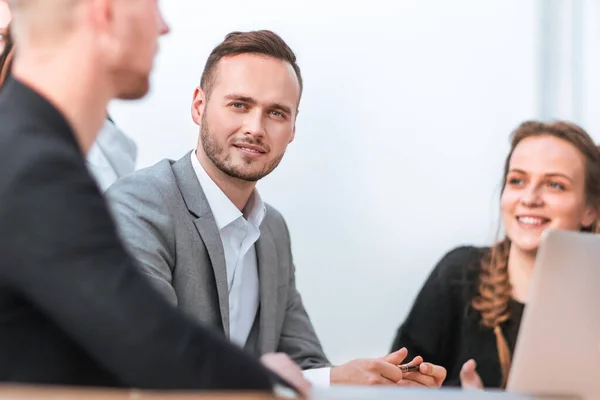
x,y
202,233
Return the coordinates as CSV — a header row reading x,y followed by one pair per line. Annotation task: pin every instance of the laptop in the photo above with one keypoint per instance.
x,y
558,346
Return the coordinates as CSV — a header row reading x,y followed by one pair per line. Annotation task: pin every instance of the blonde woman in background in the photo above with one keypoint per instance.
x,y
466,317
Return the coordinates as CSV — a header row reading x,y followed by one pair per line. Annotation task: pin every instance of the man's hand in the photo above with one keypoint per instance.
x,y
429,375
385,371
285,367
376,371
469,378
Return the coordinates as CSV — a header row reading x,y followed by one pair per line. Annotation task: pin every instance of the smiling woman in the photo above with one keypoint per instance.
x,y
466,317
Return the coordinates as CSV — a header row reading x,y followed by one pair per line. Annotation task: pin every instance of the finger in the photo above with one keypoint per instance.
x,y
469,366
437,372
396,357
305,388
415,361
420,379
386,370
470,381
380,380
410,383
374,378
469,378
468,369
301,383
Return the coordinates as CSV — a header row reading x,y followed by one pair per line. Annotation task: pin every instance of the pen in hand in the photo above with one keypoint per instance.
x,y
408,368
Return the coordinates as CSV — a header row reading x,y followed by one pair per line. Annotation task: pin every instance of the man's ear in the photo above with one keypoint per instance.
x,y
198,105
103,17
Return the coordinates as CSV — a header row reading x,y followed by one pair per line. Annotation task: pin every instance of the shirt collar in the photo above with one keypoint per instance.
x,y
223,209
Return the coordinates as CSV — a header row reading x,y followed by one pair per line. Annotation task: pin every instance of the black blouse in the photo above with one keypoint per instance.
x,y
443,327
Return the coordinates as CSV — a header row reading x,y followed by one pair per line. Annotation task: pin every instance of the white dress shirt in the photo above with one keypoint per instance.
x,y
239,235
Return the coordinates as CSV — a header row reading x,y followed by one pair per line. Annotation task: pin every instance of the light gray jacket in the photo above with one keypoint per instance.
x,y
166,222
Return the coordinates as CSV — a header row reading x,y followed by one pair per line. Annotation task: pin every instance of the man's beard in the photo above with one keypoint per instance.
x,y
222,160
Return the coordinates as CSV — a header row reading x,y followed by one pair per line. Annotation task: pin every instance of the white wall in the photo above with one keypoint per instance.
x,y
591,68
569,65
401,137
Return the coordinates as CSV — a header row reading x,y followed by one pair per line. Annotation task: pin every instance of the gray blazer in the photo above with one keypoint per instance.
x,y
166,222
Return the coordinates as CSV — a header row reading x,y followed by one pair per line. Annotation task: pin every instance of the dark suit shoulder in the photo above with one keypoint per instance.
x,y
32,129
35,156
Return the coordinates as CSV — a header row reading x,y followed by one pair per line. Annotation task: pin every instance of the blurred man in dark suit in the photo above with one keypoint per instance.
x,y
73,308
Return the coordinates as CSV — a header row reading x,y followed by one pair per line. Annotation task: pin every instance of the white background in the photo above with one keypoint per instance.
x,y
401,137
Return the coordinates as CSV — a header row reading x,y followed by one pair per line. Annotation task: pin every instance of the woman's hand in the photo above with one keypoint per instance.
x,y
469,378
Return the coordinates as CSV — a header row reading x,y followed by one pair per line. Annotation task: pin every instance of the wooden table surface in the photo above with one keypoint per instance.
x,y
17,392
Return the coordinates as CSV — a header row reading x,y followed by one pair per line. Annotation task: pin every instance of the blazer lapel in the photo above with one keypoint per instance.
x,y
196,202
267,272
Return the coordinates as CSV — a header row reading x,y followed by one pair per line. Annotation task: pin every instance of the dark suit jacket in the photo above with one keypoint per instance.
x,y
74,309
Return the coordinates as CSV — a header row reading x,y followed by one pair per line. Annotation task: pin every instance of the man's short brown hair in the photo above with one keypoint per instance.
x,y
263,42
